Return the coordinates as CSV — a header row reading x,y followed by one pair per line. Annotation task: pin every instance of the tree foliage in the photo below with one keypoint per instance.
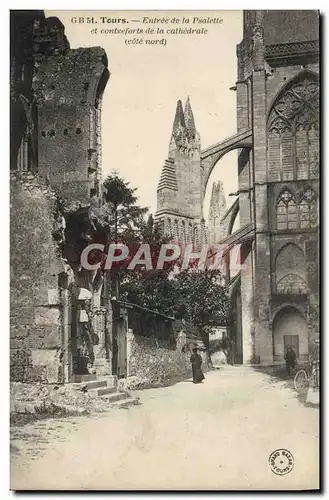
x,y
153,288
203,299
195,295
119,217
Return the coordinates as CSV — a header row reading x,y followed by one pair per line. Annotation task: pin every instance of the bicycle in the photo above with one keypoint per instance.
x,y
301,380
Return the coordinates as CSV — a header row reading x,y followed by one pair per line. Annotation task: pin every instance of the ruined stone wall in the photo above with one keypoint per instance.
x,y
56,98
35,312
22,112
68,88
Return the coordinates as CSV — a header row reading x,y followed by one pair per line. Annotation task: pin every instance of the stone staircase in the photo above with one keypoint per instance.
x,y
105,388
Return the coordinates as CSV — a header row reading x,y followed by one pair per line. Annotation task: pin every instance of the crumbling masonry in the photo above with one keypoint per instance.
x,y
55,160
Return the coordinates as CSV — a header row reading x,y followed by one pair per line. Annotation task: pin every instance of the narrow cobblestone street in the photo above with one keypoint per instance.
x,y
217,435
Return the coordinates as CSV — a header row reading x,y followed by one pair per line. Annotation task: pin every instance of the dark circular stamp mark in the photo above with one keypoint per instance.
x,y
281,462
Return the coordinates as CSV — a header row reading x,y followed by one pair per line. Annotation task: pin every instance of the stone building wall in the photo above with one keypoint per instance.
x,y
278,104
56,96
151,360
35,265
68,89
274,51
282,26
23,140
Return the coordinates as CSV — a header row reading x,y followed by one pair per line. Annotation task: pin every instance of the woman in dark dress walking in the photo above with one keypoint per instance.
x,y
196,361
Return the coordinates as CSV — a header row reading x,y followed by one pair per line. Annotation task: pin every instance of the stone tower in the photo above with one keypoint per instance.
x,y
217,210
278,100
275,296
56,97
179,194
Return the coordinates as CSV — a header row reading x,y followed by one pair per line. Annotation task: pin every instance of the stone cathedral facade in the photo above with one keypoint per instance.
x,y
275,296
179,198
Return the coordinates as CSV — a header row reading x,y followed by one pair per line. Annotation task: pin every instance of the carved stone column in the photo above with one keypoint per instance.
x,y
258,47
101,363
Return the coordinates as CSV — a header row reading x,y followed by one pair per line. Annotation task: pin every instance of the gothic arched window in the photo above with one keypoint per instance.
x,y
291,284
293,131
286,211
290,270
308,209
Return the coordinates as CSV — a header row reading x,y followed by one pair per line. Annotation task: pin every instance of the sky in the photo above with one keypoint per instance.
x,y
147,80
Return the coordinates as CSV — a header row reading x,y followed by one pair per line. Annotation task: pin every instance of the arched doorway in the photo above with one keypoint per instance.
x,y
290,328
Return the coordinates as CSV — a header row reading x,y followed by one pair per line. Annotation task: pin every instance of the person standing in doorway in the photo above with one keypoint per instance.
x,y
290,358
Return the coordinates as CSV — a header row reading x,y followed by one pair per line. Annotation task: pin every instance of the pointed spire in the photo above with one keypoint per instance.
x,y
213,198
179,121
183,136
218,198
217,210
221,197
189,117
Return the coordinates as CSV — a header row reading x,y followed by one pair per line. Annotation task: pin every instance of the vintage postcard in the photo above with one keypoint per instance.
x,y
164,173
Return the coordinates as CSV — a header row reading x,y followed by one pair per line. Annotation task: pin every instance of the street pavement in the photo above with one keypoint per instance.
x,y
216,435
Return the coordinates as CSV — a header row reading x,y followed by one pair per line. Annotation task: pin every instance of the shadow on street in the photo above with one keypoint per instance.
x,y
278,374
